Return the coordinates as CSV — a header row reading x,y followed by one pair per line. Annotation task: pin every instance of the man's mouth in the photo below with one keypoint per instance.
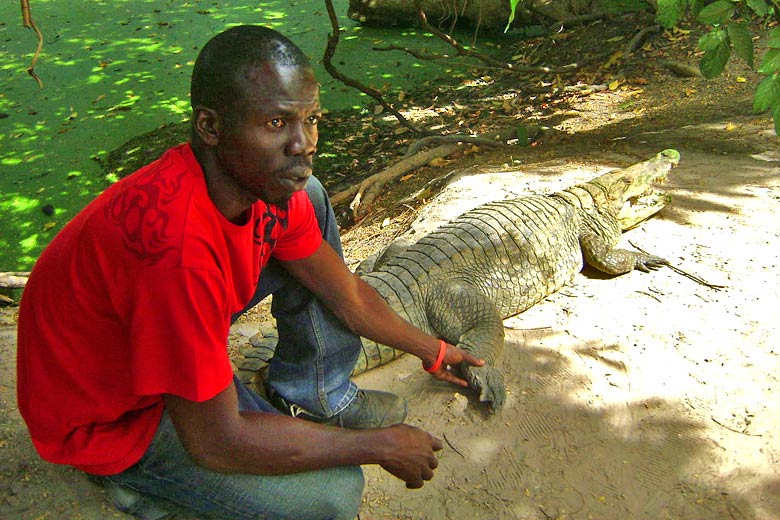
x,y
295,180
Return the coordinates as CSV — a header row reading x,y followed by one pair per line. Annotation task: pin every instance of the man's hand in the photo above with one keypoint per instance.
x,y
408,453
452,358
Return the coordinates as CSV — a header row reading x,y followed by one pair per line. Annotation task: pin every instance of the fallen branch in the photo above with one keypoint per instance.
x,y
330,51
577,20
438,139
638,39
13,280
681,69
28,22
365,193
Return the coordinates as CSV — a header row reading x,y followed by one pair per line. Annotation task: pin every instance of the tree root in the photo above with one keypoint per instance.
x,y
681,69
13,280
330,51
364,194
638,39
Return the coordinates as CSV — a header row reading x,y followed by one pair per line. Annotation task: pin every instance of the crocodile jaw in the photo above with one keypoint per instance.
x,y
636,210
633,192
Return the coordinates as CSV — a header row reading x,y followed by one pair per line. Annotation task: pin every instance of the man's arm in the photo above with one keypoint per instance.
x,y
364,311
219,437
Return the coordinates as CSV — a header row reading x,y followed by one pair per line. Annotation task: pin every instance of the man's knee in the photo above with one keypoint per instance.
x,y
342,498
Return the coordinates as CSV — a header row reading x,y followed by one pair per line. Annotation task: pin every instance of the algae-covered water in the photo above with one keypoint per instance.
x,y
114,69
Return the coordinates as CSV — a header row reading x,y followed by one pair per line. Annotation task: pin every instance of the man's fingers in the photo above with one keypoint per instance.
x,y
473,361
445,375
426,474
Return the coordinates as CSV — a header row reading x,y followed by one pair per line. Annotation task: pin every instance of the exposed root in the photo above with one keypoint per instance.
x,y
13,280
365,193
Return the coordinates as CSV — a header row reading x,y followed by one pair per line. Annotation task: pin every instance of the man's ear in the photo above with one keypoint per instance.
x,y
206,124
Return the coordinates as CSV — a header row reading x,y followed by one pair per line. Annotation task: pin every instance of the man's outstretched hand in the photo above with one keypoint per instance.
x,y
452,358
409,454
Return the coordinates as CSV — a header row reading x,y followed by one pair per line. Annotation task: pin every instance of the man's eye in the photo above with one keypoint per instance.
x,y
313,120
276,123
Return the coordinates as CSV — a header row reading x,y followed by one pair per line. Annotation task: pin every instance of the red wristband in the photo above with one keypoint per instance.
x,y
439,358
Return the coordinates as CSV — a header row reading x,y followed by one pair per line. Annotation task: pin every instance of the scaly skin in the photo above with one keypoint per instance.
x,y
460,281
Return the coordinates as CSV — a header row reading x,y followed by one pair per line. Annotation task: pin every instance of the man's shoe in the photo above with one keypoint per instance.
x,y
370,409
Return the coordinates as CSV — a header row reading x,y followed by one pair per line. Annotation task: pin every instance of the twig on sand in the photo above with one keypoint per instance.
x,y
690,276
729,428
453,447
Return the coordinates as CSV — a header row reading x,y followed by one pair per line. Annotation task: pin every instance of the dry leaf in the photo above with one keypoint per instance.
x,y
613,59
49,225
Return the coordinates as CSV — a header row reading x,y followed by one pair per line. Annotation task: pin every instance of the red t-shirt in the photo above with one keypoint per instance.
x,y
132,300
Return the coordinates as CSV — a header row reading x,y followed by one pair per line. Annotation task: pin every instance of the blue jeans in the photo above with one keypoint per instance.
x,y
166,481
316,353
311,367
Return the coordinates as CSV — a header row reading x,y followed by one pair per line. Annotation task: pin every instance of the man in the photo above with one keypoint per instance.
x,y
122,363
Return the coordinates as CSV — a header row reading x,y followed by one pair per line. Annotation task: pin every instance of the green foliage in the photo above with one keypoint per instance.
x,y
730,22
767,93
771,62
717,13
513,7
760,7
742,40
670,12
717,50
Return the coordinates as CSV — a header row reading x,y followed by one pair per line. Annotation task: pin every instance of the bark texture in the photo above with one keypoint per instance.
x,y
491,15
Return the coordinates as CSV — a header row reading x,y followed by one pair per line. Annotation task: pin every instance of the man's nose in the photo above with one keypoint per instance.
x,y
303,139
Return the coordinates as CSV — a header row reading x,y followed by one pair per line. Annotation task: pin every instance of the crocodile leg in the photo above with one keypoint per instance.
x,y
461,314
599,254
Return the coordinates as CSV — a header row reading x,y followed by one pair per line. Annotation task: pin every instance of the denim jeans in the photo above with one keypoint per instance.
x,y
311,367
166,481
316,353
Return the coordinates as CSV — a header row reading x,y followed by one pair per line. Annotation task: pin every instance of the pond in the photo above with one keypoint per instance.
x,y
115,69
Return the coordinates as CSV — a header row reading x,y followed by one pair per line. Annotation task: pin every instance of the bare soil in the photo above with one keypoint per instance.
x,y
643,396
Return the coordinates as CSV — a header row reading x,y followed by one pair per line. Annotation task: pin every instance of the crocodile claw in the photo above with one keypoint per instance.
x,y
645,262
489,382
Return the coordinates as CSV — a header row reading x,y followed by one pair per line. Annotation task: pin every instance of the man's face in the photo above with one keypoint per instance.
x,y
267,143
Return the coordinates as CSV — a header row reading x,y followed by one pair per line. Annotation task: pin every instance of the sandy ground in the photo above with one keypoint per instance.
x,y
644,396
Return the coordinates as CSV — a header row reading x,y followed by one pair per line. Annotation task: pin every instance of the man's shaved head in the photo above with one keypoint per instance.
x,y
223,65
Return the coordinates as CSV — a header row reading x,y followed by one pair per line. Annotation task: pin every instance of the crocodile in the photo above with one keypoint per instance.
x,y
460,281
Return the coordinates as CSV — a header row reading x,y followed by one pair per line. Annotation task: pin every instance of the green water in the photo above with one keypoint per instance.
x,y
115,69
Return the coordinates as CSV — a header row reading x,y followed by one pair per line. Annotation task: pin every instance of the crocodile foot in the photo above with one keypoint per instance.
x,y
645,262
489,383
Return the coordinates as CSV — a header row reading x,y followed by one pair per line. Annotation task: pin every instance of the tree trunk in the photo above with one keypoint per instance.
x,y
490,15
485,14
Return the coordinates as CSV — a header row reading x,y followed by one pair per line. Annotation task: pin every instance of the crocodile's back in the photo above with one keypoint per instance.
x,y
517,252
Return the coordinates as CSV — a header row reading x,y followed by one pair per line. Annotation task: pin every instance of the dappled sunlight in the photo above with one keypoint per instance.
x,y
115,70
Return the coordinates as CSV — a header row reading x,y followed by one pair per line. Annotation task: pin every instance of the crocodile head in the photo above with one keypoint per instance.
x,y
632,193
